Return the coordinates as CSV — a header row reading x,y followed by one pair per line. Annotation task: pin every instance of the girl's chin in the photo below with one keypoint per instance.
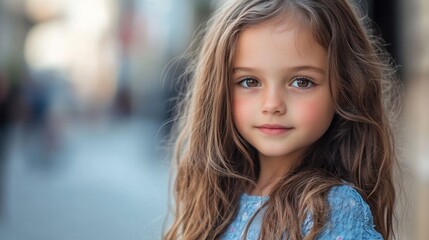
x,y
279,154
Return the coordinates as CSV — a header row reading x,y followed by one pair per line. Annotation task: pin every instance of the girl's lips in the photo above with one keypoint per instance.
x,y
273,130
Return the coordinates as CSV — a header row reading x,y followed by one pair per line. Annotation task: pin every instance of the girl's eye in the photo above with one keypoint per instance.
x,y
249,83
302,82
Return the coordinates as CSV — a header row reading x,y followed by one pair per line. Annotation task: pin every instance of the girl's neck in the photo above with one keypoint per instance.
x,y
271,171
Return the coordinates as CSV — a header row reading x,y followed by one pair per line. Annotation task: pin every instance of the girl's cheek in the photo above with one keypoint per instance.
x,y
315,112
239,105
242,107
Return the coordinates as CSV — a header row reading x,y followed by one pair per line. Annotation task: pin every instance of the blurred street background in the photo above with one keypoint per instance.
x,y
86,93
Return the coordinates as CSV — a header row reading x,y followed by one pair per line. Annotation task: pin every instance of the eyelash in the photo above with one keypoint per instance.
x,y
310,82
242,82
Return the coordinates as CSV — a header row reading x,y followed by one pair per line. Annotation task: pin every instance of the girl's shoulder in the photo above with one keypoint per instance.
x,y
346,194
350,216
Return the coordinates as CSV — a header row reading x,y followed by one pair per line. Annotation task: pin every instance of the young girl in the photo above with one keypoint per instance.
x,y
283,133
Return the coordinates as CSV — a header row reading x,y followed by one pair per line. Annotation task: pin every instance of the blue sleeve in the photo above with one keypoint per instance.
x,y
350,216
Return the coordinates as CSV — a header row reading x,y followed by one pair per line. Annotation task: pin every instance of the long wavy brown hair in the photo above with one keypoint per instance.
x,y
214,164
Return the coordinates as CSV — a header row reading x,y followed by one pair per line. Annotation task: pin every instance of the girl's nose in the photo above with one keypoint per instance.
x,y
273,102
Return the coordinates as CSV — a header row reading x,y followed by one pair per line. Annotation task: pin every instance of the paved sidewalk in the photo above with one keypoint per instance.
x,y
108,181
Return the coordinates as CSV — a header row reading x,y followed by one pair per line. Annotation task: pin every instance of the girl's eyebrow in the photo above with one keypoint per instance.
x,y
293,69
245,69
309,68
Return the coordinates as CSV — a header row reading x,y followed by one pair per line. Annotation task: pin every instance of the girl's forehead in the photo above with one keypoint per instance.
x,y
281,25
278,33
279,47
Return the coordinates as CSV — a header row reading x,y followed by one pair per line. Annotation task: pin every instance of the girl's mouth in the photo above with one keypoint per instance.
x,y
273,129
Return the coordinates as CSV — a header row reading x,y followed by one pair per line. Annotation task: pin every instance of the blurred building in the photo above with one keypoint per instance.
x,y
83,100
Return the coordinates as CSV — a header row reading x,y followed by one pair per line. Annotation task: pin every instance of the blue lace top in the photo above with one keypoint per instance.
x,y
350,217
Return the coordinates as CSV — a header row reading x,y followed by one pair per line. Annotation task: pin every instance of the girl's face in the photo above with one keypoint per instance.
x,y
281,97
